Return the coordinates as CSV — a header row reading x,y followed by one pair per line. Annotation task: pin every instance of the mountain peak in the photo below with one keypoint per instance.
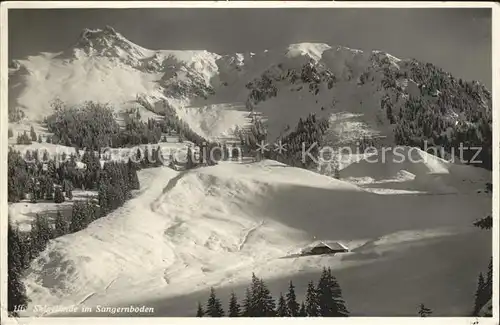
x,y
107,31
106,36
107,42
313,50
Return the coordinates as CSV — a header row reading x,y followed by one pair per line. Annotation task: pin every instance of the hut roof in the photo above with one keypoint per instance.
x,y
333,245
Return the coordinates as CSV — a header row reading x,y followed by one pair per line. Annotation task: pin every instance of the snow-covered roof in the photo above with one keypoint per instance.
x,y
333,245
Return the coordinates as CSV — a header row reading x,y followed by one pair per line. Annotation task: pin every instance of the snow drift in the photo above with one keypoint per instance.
x,y
185,231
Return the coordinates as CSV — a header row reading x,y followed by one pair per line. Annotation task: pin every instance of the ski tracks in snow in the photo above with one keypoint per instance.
x,y
247,234
109,284
92,294
170,185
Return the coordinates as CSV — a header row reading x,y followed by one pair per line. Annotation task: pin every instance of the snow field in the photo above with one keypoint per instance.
x,y
185,231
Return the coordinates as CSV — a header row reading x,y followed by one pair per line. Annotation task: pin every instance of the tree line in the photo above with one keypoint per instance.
x,y
428,116
93,125
324,299
446,111
484,291
209,154
308,134
116,181
46,178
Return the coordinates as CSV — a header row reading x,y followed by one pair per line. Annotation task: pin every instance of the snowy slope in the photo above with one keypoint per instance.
x,y
412,170
216,122
23,212
184,233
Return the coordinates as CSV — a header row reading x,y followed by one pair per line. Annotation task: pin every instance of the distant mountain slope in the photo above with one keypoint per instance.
x,y
361,94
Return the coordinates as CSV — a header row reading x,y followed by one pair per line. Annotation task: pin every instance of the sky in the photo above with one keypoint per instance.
x,y
457,40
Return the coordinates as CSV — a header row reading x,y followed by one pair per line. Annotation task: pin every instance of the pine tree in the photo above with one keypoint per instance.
x,y
58,195
69,190
248,308
45,156
17,182
330,299
24,139
146,161
200,312
225,151
312,303
133,179
480,300
16,296
489,275
234,307
340,307
484,223
487,292
25,251
424,311
263,303
114,187
91,212
49,190
138,157
269,302
484,292
92,170
214,306
172,161
291,301
33,134
65,185
64,156
36,155
61,225
256,297
158,161
40,234
33,190
336,171
102,195
81,216
302,311
153,161
189,157
28,156
389,114
282,310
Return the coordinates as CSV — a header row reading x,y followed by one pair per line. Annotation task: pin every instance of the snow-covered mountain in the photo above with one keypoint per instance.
x,y
349,87
183,232
104,66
